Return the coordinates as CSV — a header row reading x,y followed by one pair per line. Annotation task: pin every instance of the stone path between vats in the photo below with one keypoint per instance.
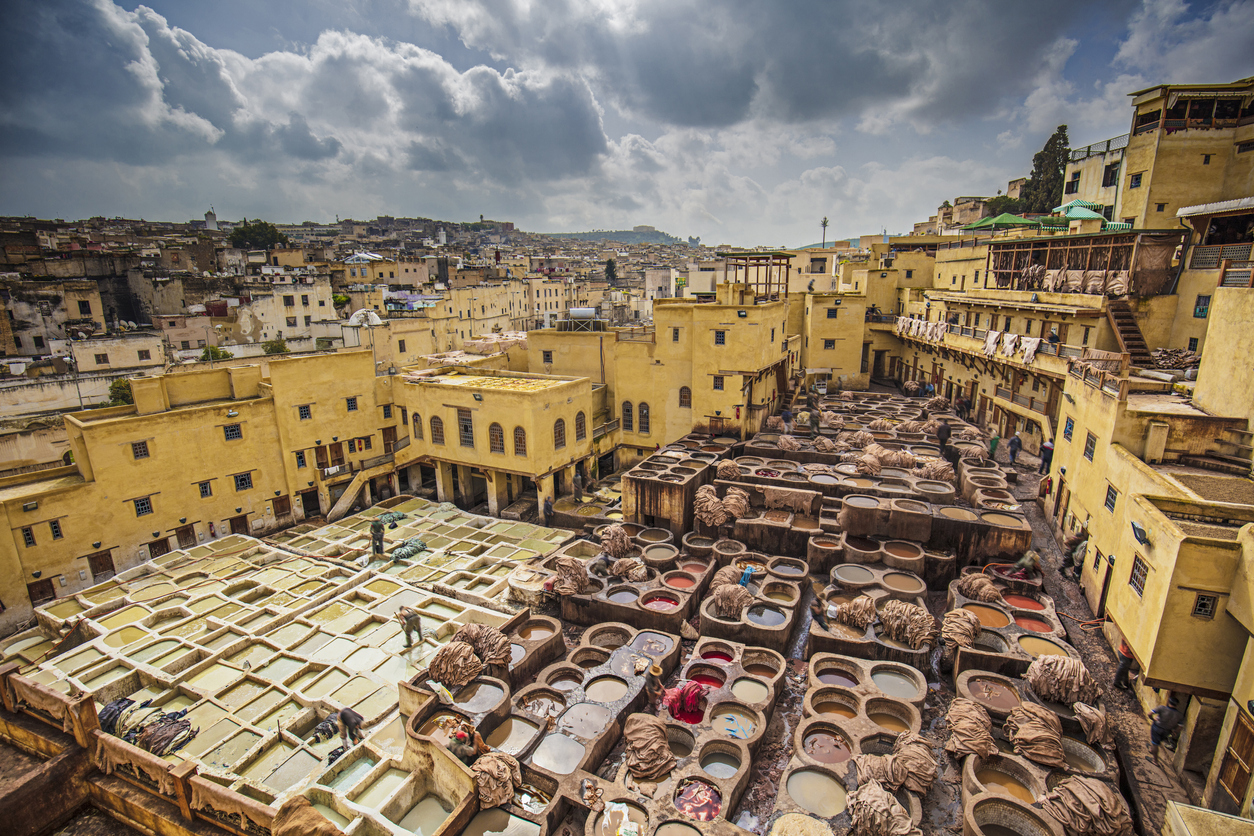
x,y
1151,786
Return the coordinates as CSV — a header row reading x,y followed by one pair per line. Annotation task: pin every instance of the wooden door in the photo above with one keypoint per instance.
x,y
186,536
158,547
389,439
337,454
41,591
309,503
239,525
320,456
101,565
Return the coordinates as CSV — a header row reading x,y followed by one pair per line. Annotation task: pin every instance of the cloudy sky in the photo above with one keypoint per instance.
x,y
741,121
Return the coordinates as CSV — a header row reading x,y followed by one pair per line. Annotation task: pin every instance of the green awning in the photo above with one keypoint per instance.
x,y
1003,221
1079,213
1083,204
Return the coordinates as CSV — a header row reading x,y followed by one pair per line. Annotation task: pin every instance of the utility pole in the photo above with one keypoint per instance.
x,y
823,223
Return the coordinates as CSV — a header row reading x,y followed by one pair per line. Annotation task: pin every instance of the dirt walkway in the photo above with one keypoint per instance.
x,y
1148,786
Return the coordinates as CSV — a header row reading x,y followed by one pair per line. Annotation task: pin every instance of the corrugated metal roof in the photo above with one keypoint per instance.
x,y
1221,206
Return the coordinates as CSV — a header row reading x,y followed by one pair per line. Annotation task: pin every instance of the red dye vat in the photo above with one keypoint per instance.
x,y
691,717
699,800
1023,602
661,603
695,568
680,582
1033,624
706,679
716,656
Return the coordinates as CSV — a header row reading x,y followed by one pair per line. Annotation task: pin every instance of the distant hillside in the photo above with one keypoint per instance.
x,y
622,236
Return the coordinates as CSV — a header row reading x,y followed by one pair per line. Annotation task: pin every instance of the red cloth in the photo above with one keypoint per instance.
x,y
685,700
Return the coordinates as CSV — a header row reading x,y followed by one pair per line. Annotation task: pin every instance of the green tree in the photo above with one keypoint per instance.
x,y
1005,203
611,271
1043,191
339,299
258,235
278,346
120,392
212,352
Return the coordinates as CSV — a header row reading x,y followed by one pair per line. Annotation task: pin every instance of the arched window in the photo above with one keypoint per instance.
x,y
437,430
496,439
417,427
644,419
685,397
626,416
520,441
581,427
559,434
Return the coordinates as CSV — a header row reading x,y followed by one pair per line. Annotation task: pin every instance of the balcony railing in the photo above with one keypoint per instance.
x,y
604,429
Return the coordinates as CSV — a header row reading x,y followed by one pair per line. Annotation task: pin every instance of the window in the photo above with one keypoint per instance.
x,y
55,526
1234,775
289,301
1134,182
1206,159
185,344
548,357
718,383
39,342
831,312
581,426
1068,428
559,434
1090,444
352,445
232,432
1073,185
828,345
674,335
643,414
1192,343
400,346
308,321
496,438
1110,175
1085,341
1204,606
145,354
1201,307
351,403
305,412
628,425
28,536
291,322
437,430
102,359
685,397
243,481
720,338
387,411
304,300
84,308
206,488
1097,558
417,427
282,506
139,449
143,506
1140,570
300,459
909,274
465,428
772,335
1245,147
520,441
1159,207
1112,496
364,443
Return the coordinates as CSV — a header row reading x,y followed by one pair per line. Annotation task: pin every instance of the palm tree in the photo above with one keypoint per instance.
x,y
823,223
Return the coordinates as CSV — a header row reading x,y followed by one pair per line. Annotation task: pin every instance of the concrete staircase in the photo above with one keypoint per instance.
x,y
1128,334
1233,454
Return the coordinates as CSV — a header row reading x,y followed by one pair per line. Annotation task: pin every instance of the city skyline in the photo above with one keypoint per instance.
x,y
740,124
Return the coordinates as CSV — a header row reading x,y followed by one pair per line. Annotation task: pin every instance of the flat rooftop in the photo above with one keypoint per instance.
x,y
504,383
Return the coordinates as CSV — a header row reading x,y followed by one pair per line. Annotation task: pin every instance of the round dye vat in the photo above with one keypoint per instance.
x,y
781,595
760,670
862,501
585,720
988,616
817,792
694,568
716,656
957,513
789,569
850,573
836,709
721,765
747,689
838,677
1036,625
606,689
889,722
708,679
1003,520
1040,647
609,822
679,581
901,582
900,549
1022,602
1000,782
765,616
699,800
734,723
624,596
516,654
826,747
674,828
535,632
824,479
1080,757
441,726
558,754
660,603
895,684
999,695
862,544
478,696
565,682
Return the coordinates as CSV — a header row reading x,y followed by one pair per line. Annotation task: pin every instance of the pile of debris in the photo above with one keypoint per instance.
x,y
1175,358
